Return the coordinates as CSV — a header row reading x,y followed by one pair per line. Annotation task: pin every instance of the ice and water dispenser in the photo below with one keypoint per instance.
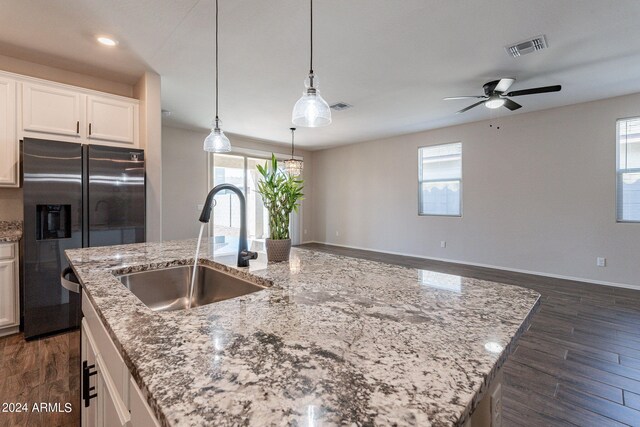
x,y
53,222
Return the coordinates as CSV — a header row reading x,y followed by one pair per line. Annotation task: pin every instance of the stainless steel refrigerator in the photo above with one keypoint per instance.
x,y
74,196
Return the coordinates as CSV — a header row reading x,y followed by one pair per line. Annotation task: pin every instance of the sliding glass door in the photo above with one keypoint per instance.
x,y
239,170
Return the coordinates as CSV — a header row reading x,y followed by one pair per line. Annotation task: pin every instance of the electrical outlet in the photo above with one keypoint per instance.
x,y
443,243
199,206
337,233
601,262
305,231
496,406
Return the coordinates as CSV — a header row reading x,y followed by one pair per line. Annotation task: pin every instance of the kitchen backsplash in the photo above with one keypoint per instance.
x,y
11,204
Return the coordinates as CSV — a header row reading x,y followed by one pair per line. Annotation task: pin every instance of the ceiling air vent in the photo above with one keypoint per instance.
x,y
339,106
527,46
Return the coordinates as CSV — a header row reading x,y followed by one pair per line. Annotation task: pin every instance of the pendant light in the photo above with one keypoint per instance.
x,y
311,110
293,166
217,141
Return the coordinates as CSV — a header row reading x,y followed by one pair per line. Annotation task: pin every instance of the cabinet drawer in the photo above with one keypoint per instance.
x,y
107,350
6,251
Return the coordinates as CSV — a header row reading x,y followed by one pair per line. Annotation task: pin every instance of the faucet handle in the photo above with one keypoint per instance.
x,y
247,255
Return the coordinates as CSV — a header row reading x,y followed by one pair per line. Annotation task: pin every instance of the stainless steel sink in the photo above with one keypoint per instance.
x,y
167,289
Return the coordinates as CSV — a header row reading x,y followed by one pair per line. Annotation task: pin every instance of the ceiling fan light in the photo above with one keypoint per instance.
x,y
494,102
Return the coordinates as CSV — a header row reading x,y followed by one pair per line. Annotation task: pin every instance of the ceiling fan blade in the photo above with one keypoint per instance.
x,y
504,85
470,107
449,98
511,105
533,91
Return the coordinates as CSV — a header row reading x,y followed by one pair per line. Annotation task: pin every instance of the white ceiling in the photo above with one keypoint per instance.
x,y
393,60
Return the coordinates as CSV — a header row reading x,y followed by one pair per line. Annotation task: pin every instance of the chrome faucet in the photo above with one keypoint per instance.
x,y
244,255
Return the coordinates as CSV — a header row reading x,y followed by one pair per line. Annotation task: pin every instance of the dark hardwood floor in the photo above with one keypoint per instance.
x,y
44,370
579,362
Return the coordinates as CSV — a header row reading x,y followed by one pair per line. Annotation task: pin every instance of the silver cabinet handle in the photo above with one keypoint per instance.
x,y
68,284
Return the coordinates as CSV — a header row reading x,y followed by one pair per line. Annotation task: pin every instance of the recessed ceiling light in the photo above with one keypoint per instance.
x,y
107,41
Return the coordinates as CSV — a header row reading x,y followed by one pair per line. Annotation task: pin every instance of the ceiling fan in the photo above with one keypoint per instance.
x,y
496,95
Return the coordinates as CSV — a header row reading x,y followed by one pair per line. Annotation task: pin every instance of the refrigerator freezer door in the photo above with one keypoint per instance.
x,y
116,196
52,188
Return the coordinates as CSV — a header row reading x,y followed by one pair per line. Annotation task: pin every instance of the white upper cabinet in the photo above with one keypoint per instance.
x,y
51,110
111,119
8,142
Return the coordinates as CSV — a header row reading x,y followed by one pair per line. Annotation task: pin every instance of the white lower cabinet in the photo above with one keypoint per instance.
x,y
9,289
110,396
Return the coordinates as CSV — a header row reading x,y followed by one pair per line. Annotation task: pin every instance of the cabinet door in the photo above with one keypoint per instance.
x,y
8,140
141,413
89,415
112,411
111,119
51,110
8,287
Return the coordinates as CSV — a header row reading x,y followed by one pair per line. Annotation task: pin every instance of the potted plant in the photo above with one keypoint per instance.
x,y
281,194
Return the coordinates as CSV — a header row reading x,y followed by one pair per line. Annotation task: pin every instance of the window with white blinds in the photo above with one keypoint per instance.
x,y
440,180
628,168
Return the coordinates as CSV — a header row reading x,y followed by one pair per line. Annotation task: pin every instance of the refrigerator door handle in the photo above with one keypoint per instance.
x,y
68,284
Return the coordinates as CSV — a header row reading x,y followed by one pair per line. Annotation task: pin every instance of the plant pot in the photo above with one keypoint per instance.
x,y
278,250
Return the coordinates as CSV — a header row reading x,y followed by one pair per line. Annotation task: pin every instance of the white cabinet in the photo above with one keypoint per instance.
x,y
111,119
102,404
49,110
8,142
89,384
141,415
52,110
112,411
9,289
118,401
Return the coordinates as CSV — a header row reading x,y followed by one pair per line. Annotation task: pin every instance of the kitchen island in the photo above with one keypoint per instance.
x,y
331,340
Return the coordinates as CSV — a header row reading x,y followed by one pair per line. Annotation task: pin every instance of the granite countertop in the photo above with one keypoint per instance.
x,y
333,340
10,231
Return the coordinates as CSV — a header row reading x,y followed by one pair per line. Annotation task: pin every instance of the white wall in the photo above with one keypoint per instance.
x,y
538,194
184,179
147,90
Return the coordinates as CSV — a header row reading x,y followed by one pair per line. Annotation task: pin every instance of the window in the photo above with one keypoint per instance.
x,y
440,180
628,168
241,171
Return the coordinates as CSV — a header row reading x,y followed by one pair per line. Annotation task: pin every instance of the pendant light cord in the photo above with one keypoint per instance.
x,y
216,63
292,141
311,38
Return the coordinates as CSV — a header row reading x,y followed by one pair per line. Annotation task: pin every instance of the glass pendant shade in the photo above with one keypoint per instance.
x,y
293,167
217,142
311,110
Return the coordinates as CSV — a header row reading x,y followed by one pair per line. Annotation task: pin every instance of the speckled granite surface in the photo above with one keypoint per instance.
x,y
10,231
333,340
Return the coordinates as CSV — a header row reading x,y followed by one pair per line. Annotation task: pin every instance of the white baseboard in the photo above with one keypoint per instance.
x,y
9,331
496,267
